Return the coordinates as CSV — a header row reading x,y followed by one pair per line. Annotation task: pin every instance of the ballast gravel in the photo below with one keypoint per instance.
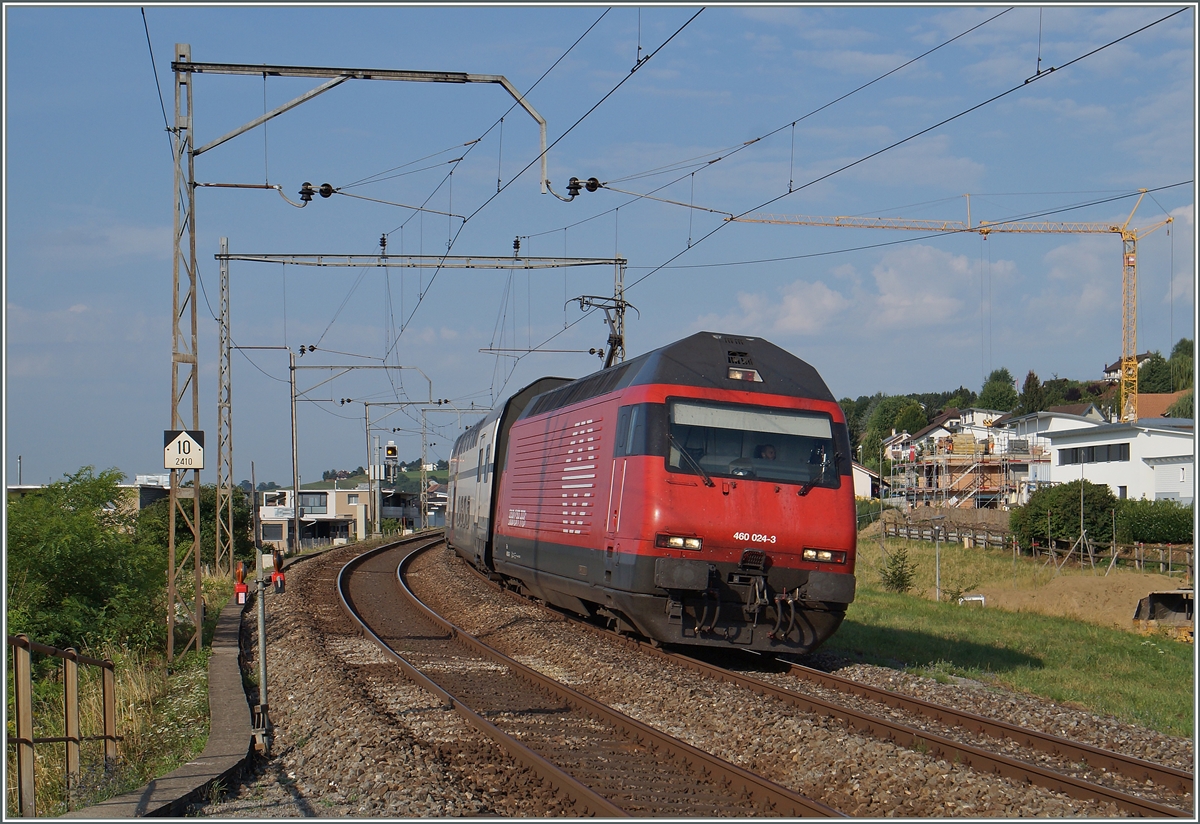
x,y
345,748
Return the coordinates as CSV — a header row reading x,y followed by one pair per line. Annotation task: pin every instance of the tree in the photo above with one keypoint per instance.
x,y
879,426
1184,407
899,572
910,419
77,577
1029,522
1154,374
1181,363
153,526
1032,399
998,392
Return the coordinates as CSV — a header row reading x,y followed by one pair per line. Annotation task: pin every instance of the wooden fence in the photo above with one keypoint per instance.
x,y
1166,559
24,741
954,533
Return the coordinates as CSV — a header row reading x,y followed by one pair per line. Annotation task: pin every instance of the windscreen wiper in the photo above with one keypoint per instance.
x,y
807,488
708,481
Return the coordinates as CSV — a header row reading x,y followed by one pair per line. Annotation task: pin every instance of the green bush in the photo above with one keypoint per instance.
x,y
1029,522
899,572
77,577
1154,522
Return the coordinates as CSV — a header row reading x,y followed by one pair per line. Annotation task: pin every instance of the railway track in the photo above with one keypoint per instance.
x,y
1161,791
603,762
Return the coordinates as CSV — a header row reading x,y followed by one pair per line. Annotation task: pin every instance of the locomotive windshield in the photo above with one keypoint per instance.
x,y
786,445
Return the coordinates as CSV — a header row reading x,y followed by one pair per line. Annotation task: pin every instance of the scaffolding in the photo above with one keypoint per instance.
x,y
961,472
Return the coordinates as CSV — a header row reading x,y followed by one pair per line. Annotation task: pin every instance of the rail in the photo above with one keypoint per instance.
x,y
24,741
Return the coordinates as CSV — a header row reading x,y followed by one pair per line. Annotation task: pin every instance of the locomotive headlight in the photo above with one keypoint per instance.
x,y
827,556
740,374
676,542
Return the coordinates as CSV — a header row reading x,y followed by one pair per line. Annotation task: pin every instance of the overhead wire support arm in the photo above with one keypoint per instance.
x,y
340,75
427,261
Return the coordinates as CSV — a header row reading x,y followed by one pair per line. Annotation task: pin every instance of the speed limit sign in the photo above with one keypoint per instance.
x,y
183,449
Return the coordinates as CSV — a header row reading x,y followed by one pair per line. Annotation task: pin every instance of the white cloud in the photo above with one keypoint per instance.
x,y
920,285
99,241
799,308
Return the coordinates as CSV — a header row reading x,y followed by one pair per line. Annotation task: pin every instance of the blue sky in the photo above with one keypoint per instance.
x,y
88,205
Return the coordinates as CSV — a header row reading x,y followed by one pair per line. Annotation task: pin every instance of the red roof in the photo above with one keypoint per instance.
x,y
1155,405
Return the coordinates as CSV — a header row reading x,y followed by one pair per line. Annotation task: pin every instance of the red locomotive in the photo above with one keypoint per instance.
x,y
700,493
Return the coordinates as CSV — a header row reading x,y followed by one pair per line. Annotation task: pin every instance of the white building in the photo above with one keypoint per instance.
x,y
866,481
1152,458
336,515
1030,434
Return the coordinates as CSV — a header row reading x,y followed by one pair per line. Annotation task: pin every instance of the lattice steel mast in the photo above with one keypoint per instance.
x,y
184,370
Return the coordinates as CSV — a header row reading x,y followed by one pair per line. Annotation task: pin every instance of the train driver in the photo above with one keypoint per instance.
x,y
765,452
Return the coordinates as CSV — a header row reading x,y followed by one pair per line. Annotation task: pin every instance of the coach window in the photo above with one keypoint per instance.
x,y
487,464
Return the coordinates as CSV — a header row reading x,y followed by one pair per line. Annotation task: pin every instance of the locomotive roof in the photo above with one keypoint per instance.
x,y
703,359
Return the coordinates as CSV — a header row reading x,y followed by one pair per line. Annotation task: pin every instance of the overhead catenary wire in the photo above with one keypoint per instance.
x,y
724,154
538,157
667,264
158,85
1027,82
387,174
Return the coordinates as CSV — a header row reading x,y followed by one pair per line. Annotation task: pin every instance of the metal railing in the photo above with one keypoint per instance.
x,y
24,741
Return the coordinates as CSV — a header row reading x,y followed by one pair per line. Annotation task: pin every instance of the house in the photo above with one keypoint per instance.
x,y
1028,434
1151,458
1112,372
866,481
958,427
1027,445
896,445
334,515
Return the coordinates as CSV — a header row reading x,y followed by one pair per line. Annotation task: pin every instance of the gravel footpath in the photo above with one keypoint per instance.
x,y
352,742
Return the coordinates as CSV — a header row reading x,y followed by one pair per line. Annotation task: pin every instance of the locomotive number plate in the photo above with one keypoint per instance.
x,y
754,537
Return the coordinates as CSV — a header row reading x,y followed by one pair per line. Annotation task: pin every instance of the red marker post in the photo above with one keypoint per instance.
x,y
240,589
277,572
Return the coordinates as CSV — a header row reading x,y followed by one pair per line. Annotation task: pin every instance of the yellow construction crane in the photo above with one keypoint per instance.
x,y
1129,239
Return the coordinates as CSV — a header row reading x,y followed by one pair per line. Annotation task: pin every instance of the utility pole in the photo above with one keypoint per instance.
x,y
184,371
262,718
224,519
294,547
424,500
184,362
370,466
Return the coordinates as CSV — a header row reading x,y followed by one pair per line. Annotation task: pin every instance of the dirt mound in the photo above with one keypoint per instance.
x,y
1108,601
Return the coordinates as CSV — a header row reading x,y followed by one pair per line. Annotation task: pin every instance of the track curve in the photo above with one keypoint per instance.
x,y
606,763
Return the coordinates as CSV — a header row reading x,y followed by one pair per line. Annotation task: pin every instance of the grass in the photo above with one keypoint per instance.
x,y
1147,681
162,716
